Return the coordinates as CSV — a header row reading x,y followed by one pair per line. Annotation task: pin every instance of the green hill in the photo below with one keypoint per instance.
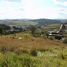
x,y
31,21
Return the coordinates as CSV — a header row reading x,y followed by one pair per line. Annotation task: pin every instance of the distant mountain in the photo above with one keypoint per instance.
x,y
17,22
31,21
46,21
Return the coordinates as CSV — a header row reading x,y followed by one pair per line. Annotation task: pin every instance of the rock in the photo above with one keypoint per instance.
x,y
20,38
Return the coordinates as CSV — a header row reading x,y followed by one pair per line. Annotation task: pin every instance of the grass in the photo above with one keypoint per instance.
x,y
31,52
48,58
13,60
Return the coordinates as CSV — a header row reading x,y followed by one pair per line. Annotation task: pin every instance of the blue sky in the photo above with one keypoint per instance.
x,y
33,9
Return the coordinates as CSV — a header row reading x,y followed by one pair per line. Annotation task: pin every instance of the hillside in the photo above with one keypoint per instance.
x,y
28,42
24,50
31,21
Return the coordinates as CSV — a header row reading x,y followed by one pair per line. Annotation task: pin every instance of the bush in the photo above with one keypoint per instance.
x,y
34,52
37,32
58,37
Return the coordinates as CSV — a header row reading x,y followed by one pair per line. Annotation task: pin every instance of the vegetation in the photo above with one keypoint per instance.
x,y
31,52
27,22
3,29
24,50
52,58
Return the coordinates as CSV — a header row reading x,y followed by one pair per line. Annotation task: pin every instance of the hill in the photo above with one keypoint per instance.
x,y
31,21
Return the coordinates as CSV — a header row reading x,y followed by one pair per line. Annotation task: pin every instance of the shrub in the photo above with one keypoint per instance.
x,y
58,37
34,52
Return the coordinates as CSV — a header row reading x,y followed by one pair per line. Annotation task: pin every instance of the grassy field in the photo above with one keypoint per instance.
x,y
24,50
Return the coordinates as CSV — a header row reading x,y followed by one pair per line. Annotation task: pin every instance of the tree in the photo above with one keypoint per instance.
x,y
33,28
3,28
38,32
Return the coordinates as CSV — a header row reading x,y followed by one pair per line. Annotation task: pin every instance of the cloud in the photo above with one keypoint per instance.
x,y
30,9
13,0
65,3
63,11
10,10
62,6
60,2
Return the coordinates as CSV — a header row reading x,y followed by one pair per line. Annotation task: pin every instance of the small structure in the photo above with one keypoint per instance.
x,y
60,33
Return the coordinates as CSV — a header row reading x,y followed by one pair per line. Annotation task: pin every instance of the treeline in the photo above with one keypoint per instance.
x,y
35,30
3,29
6,29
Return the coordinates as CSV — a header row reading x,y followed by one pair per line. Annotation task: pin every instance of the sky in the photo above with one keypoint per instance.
x,y
33,9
